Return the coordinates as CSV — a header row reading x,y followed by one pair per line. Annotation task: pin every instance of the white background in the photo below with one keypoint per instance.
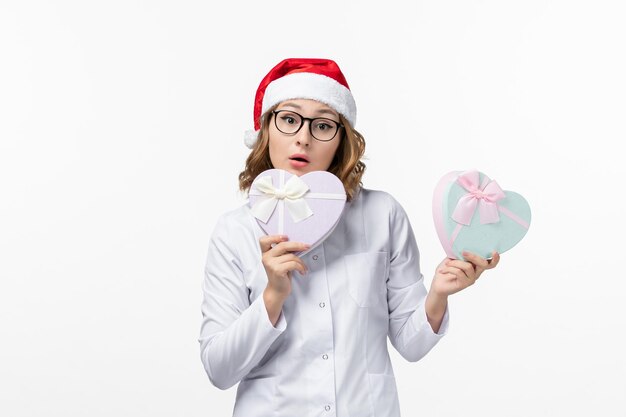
x,y
121,138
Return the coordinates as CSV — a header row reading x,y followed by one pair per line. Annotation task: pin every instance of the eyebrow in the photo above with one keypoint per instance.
x,y
321,111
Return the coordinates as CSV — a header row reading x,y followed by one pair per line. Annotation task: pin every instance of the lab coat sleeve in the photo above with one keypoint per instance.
x,y
235,333
409,330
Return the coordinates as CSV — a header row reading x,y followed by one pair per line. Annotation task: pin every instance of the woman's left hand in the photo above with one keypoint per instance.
x,y
454,275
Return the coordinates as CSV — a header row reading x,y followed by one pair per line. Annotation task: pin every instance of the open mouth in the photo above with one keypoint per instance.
x,y
299,157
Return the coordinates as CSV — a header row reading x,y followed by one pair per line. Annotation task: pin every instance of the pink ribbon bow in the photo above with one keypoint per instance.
x,y
485,198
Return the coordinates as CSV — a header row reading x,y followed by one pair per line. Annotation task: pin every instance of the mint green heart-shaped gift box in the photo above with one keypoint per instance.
x,y
472,213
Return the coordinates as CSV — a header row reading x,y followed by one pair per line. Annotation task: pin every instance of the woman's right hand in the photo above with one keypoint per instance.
x,y
279,261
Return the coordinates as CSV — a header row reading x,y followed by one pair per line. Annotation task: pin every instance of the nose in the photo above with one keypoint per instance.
x,y
303,137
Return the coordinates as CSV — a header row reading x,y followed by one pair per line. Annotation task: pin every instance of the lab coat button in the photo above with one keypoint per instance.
x,y
315,257
327,408
324,356
322,305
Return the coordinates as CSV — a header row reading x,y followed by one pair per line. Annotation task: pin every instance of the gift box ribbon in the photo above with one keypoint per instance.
x,y
290,194
485,198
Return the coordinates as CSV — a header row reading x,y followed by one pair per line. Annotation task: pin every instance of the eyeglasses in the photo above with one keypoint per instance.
x,y
289,122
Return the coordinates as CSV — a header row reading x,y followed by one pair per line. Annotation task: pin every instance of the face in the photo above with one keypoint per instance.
x,y
300,153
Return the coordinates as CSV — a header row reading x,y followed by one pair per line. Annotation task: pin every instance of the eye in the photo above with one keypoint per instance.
x,y
323,125
290,118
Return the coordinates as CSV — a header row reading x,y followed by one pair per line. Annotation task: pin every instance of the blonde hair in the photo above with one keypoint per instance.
x,y
346,164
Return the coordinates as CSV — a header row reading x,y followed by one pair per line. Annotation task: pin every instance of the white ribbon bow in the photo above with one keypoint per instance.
x,y
292,194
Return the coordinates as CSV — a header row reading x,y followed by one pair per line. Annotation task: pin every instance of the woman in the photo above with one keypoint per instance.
x,y
308,335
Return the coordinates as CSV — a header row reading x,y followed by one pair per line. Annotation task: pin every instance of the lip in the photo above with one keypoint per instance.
x,y
299,164
300,155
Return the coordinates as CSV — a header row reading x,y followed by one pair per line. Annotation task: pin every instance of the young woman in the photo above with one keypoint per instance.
x,y
308,335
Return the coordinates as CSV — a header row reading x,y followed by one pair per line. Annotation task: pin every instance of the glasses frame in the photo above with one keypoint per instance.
x,y
304,119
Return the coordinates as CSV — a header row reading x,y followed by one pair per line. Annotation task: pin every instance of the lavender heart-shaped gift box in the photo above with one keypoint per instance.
x,y
306,208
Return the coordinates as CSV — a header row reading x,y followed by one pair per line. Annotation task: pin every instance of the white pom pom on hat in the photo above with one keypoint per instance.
x,y
250,137
305,78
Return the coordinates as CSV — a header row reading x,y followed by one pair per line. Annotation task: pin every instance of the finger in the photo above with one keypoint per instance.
x,y
476,260
443,263
457,272
266,242
448,276
495,258
287,247
293,266
290,257
467,267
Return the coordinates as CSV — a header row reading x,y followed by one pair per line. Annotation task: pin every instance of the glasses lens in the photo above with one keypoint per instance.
x,y
288,122
324,129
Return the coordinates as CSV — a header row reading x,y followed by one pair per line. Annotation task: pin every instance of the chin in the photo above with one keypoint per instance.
x,y
298,172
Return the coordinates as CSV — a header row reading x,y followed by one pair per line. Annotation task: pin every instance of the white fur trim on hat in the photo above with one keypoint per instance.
x,y
312,86
250,137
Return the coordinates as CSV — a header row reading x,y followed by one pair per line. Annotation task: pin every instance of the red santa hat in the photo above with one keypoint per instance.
x,y
307,78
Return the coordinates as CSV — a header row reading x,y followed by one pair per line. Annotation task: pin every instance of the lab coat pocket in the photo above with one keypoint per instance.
x,y
367,277
384,395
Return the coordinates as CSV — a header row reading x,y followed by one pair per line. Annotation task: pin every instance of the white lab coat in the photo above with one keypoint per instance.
x,y
327,354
